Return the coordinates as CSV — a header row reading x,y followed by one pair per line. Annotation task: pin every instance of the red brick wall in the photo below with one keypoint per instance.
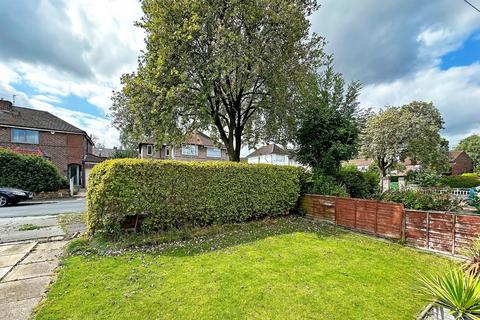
x,y
63,148
463,164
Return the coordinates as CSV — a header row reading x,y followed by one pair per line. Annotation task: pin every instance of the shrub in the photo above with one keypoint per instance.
x,y
327,185
417,200
456,291
174,194
466,180
29,172
424,178
358,184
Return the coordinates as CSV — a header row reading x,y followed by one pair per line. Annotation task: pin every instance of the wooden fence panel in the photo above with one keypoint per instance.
x,y
438,231
390,219
366,215
345,212
320,207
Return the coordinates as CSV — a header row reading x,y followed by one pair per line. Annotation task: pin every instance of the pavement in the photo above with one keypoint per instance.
x,y
45,227
26,270
43,208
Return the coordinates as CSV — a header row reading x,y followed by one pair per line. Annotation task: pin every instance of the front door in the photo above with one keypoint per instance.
x,y
74,171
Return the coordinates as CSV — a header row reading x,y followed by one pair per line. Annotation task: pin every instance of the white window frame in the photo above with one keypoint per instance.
x,y
189,150
25,131
149,150
217,154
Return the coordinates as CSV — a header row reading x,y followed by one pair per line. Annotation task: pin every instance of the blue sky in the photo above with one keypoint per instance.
x,y
66,57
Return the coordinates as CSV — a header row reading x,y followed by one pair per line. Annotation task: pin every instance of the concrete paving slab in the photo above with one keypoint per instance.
x,y
36,269
10,260
53,245
23,289
42,255
18,310
19,248
4,271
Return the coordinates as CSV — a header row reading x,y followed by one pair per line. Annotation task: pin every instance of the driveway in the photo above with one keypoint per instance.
x,y
43,208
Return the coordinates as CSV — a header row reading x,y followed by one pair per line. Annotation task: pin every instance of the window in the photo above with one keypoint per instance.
x,y
279,158
167,151
214,153
149,150
189,150
24,136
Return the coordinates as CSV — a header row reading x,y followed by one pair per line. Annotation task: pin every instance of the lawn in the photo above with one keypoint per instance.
x,y
286,268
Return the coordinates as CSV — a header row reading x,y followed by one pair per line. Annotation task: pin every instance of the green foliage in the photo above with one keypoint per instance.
x,y
417,200
412,130
233,67
30,173
328,129
121,154
358,184
424,178
327,185
471,145
173,194
472,264
456,291
466,180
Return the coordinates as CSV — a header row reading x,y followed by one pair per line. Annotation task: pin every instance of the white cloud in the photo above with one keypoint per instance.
x,y
455,92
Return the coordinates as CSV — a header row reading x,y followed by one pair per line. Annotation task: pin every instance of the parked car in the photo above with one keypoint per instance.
x,y
13,196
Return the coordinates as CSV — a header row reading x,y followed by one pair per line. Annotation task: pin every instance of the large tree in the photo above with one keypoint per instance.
x,y
328,124
234,68
412,130
471,145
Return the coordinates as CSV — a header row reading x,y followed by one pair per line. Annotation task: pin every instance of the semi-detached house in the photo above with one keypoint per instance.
x,y
35,132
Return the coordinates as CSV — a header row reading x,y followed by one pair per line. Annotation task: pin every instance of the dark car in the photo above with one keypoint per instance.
x,y
13,196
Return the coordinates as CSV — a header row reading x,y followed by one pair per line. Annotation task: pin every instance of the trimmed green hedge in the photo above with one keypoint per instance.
x,y
173,194
30,173
466,180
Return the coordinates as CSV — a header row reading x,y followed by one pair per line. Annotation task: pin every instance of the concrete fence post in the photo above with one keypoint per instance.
x,y
402,183
72,187
385,184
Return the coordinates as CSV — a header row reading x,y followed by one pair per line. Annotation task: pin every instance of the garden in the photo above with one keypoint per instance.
x,y
161,245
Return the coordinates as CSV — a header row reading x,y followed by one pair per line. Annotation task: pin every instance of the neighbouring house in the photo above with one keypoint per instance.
x,y
363,165
198,147
272,154
35,132
104,152
460,162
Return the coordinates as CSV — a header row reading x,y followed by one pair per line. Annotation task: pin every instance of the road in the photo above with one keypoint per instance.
x,y
32,208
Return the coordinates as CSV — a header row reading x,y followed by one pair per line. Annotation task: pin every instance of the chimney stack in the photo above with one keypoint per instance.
x,y
5,105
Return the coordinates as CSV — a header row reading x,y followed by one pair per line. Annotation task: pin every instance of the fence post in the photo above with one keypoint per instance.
x,y
376,217
428,230
335,210
404,225
454,227
355,211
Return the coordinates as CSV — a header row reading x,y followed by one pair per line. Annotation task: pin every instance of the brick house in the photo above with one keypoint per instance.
x,y
460,162
36,132
198,147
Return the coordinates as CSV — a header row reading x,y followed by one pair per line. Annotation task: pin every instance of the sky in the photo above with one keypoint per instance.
x,y
66,56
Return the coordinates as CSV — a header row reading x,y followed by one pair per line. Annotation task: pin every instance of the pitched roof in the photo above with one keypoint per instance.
x,y
93,158
103,152
37,119
454,155
268,149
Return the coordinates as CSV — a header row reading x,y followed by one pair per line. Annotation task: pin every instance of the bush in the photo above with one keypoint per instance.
x,y
327,185
175,194
424,178
466,180
30,173
358,184
417,200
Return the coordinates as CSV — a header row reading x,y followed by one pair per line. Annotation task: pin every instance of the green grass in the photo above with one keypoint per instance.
x,y
30,226
287,268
